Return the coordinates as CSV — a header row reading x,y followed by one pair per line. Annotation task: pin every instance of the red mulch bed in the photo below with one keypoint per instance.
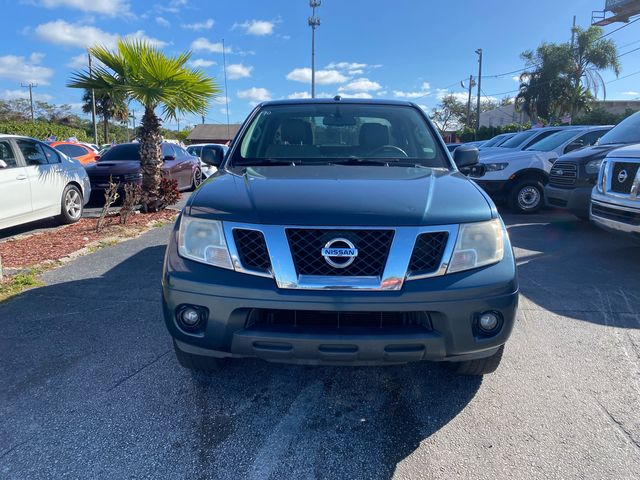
x,y
30,250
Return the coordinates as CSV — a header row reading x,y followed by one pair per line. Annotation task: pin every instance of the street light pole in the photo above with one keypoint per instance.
x,y
472,83
314,22
479,52
93,106
30,86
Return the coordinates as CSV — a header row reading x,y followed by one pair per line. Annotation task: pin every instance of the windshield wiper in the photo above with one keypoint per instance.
x,y
353,160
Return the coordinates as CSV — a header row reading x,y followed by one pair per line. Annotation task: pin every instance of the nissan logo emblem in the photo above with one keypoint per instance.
x,y
622,176
339,252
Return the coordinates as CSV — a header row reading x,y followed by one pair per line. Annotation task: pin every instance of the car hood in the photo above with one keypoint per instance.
x,y
110,168
595,152
520,155
490,151
341,195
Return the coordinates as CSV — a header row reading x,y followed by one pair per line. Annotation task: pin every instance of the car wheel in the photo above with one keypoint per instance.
x,y
526,196
72,205
197,179
480,366
199,363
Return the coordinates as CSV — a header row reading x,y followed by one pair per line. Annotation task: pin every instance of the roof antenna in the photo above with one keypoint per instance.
x,y
337,98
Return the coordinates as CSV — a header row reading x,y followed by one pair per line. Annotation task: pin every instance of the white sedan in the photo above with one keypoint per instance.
x,y
211,156
38,182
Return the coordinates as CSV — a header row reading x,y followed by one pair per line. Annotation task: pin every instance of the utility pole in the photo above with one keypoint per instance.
x,y
573,33
133,119
93,106
314,22
226,92
30,86
479,52
472,83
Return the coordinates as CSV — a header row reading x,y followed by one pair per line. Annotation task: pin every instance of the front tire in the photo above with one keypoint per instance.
x,y
198,363
526,196
480,366
71,205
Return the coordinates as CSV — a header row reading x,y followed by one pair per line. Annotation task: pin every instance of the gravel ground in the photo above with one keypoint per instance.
x,y
91,388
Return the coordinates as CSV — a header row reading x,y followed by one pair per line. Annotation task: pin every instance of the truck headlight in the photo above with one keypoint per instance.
x,y
203,241
496,167
593,167
478,244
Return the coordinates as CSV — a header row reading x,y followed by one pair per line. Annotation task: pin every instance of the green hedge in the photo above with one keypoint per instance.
x,y
485,133
41,130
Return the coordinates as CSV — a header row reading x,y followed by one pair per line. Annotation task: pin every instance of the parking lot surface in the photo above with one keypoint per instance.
x,y
91,388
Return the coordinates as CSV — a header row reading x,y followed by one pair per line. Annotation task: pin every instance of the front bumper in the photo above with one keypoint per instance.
x,y
620,216
575,199
452,302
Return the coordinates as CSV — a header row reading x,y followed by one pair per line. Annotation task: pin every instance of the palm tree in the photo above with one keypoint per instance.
x,y
591,53
108,106
136,70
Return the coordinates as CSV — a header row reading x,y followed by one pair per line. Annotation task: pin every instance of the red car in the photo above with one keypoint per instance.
x,y
85,155
122,164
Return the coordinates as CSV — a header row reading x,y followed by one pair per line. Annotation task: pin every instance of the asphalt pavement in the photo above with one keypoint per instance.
x,y
90,387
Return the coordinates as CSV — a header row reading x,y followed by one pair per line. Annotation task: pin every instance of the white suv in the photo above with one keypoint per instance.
x,y
38,182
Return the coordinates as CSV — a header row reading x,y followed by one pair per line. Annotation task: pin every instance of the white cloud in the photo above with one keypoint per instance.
x,y
106,7
516,78
357,95
631,94
203,45
346,66
425,89
78,61
381,93
323,77
23,69
73,35
255,94
24,93
361,85
202,63
219,100
298,95
256,27
163,22
237,70
206,25
356,72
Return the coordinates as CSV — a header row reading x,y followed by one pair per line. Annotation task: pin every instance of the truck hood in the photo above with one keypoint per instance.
x,y
340,195
520,156
113,168
595,152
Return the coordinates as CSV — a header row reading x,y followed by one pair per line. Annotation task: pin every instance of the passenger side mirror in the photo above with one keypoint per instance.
x,y
212,157
574,146
3,164
465,156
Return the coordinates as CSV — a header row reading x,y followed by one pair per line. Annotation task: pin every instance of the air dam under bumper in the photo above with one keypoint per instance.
x,y
452,303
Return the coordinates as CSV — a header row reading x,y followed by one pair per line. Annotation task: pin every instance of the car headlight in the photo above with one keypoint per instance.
x,y
495,167
593,167
203,241
478,244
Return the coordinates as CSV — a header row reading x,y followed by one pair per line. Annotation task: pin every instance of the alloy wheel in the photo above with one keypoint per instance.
x,y
73,204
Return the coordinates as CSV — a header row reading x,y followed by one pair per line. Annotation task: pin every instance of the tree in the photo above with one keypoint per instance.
x,y
136,70
449,114
562,78
108,106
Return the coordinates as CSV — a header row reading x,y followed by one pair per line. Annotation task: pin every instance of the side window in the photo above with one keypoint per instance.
x,y
72,150
590,138
167,150
32,153
51,154
7,156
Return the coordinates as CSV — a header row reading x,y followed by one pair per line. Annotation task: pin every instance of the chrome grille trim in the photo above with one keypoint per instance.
x,y
395,272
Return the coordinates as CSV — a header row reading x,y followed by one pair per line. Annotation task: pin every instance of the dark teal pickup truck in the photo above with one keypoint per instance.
x,y
340,232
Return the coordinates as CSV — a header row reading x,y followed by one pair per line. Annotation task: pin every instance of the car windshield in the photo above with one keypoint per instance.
x,y
554,141
497,140
314,133
125,152
627,131
518,139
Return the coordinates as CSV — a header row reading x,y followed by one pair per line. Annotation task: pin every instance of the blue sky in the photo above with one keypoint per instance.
x,y
411,49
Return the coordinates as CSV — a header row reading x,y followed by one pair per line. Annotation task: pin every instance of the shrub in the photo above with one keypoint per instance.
x,y
41,129
169,193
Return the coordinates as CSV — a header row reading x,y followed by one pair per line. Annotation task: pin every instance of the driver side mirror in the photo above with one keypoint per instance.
x,y
574,146
212,157
465,156
3,164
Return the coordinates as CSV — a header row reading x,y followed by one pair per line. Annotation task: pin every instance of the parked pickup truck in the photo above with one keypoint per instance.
x,y
340,232
615,200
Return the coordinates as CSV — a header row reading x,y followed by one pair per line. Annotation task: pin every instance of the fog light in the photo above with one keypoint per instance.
x,y
190,317
488,322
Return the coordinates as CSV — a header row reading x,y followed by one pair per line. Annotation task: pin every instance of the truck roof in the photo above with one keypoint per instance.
x,y
630,151
338,99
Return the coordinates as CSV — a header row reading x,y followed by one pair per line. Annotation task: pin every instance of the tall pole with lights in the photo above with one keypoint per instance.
x,y
314,22
93,105
479,52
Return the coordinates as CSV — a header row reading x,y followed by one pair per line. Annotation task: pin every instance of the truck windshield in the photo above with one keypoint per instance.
x,y
518,139
554,141
317,133
627,131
